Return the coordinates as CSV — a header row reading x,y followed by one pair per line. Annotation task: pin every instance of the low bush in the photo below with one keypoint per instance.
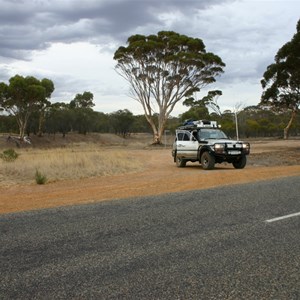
x,y
9,155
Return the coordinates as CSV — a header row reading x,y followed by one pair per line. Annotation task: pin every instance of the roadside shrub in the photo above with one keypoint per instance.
x,y
40,178
9,155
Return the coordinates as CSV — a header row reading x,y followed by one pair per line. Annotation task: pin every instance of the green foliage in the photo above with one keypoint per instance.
x,y
59,118
199,108
40,178
83,118
199,112
208,101
9,155
281,80
8,124
23,96
84,100
121,122
140,124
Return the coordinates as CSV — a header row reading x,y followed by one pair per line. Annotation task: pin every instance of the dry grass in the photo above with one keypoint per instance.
x,y
67,163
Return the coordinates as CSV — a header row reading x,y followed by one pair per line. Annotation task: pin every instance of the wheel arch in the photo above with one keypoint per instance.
x,y
203,149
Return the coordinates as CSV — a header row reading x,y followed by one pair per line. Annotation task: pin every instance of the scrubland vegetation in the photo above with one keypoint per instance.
x,y
66,163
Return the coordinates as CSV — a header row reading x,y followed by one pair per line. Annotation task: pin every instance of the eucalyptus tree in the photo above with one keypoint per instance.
x,y
23,96
162,70
81,106
121,122
84,100
281,80
59,118
43,105
199,109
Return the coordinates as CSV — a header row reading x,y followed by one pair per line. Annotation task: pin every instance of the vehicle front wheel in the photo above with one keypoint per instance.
x,y
207,161
180,162
240,162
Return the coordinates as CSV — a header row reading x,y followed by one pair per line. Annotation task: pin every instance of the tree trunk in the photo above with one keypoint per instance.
x,y
159,132
156,137
23,125
22,128
41,123
22,132
287,128
162,125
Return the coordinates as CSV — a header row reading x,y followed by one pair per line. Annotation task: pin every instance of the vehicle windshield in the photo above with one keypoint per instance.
x,y
204,134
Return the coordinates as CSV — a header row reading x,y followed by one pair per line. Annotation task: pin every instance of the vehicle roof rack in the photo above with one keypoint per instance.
x,y
191,124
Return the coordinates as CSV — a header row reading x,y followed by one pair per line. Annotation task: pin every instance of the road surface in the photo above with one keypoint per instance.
x,y
238,242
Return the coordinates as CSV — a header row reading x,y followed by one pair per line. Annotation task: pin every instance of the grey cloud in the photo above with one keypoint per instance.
x,y
26,26
237,36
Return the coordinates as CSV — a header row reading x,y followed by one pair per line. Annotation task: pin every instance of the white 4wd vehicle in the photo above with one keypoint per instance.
x,y
204,142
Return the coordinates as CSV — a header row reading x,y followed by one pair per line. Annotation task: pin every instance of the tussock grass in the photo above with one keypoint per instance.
x,y
68,163
40,178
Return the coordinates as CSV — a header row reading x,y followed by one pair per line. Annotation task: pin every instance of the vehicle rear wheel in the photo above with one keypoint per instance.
x,y
180,162
207,161
240,162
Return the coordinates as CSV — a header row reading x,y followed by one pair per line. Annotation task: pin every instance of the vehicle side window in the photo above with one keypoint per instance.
x,y
186,137
180,136
183,136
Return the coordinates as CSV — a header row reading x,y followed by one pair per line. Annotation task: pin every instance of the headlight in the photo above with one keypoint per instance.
x,y
246,147
219,148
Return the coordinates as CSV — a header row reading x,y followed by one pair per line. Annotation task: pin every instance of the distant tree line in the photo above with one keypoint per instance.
x,y
62,118
256,122
28,111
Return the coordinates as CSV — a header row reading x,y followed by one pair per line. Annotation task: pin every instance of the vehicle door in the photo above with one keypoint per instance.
x,y
186,144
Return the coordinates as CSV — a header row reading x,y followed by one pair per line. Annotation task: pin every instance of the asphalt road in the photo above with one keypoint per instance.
x,y
206,244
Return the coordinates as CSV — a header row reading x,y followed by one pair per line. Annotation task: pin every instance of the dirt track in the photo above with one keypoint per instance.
x,y
160,175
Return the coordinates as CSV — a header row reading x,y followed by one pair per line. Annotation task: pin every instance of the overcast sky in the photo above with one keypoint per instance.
x,y
72,42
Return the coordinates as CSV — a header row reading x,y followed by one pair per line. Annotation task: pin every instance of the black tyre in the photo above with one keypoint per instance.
x,y
207,161
240,162
180,162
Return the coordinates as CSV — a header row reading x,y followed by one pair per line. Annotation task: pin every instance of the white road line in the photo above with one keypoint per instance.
x,y
283,217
